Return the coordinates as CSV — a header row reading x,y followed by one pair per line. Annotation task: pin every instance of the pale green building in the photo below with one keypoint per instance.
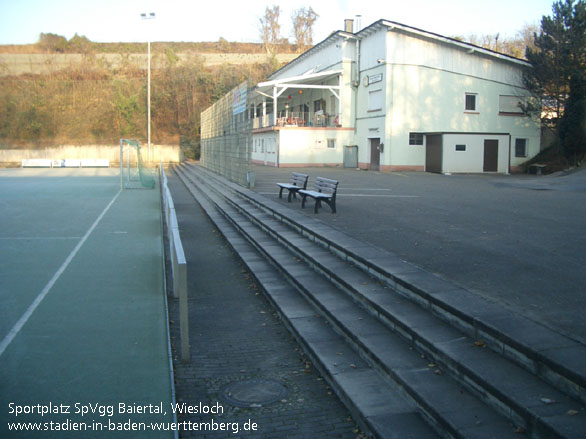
x,y
391,97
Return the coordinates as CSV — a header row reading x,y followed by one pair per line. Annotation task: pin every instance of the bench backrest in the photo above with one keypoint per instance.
x,y
325,185
299,180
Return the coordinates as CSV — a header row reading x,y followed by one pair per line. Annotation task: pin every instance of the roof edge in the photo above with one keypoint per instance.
x,y
448,40
323,43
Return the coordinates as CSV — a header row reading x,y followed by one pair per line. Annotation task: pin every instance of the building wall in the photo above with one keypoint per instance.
x,y
310,147
424,84
323,58
265,148
301,146
427,100
472,159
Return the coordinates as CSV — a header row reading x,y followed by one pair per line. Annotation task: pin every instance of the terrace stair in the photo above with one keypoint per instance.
x,y
409,353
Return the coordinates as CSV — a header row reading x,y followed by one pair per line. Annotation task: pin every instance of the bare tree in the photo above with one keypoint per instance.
x,y
303,21
270,28
509,46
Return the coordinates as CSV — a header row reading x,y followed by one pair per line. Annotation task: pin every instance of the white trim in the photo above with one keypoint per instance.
x,y
283,81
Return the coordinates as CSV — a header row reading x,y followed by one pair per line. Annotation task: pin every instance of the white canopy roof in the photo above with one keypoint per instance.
x,y
276,87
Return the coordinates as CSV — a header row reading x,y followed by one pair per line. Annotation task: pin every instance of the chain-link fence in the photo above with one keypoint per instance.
x,y
226,139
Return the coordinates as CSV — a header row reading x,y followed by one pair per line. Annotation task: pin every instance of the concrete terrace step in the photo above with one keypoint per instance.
x,y
419,383
372,332
381,409
554,357
340,363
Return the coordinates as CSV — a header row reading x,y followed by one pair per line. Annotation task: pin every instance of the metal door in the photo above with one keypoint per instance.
x,y
375,154
351,156
491,155
434,153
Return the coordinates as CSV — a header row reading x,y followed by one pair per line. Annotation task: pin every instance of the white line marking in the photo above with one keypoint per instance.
x,y
357,195
376,195
31,309
40,238
364,189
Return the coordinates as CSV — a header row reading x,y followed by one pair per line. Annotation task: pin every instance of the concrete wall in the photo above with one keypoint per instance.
x,y
12,157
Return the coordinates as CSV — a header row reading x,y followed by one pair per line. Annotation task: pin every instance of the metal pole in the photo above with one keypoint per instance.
x,y
121,164
149,16
149,100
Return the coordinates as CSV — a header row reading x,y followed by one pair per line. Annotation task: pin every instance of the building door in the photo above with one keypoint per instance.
x,y
491,155
351,156
375,154
434,153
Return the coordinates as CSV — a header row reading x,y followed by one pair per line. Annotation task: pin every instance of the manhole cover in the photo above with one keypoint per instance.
x,y
254,393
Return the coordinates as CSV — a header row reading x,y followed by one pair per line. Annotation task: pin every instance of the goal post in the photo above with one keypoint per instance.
x,y
133,173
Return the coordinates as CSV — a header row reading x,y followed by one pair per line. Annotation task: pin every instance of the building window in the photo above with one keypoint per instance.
x,y
460,147
520,147
415,138
375,100
471,101
511,104
332,143
319,105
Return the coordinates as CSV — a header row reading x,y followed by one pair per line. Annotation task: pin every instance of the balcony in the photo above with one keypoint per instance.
x,y
297,119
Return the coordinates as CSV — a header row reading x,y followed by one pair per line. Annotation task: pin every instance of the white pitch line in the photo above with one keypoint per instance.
x,y
364,189
377,195
358,195
31,309
39,238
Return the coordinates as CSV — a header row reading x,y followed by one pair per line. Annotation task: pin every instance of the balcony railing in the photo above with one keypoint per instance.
x,y
297,119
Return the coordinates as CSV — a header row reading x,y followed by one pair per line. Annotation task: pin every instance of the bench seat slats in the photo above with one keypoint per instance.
x,y
298,182
324,190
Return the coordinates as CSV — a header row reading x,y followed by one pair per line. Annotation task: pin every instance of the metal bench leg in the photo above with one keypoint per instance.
x,y
332,205
303,200
317,205
281,193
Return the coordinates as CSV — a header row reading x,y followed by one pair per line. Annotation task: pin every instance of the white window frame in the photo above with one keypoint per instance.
x,y
525,146
475,96
414,139
375,100
511,105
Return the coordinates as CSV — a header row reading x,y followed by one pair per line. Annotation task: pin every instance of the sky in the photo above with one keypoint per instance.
x,y
22,21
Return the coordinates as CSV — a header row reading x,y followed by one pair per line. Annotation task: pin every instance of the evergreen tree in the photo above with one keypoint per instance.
x,y
572,129
559,71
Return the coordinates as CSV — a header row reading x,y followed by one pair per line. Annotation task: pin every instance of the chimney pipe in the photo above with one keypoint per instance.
x,y
349,25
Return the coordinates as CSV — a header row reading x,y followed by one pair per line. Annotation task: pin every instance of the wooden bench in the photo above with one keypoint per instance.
x,y
298,182
324,190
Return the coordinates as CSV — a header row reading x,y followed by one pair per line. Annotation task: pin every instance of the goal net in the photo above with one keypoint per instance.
x,y
133,172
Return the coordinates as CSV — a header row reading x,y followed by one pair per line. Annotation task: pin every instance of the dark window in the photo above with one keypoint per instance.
x,y
460,147
520,147
415,138
470,102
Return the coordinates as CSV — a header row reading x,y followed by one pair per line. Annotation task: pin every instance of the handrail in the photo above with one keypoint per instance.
x,y
178,265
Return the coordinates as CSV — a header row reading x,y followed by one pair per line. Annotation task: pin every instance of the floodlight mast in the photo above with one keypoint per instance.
x,y
148,16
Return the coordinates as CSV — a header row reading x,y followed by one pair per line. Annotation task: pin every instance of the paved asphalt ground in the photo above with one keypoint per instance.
x,y
518,240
